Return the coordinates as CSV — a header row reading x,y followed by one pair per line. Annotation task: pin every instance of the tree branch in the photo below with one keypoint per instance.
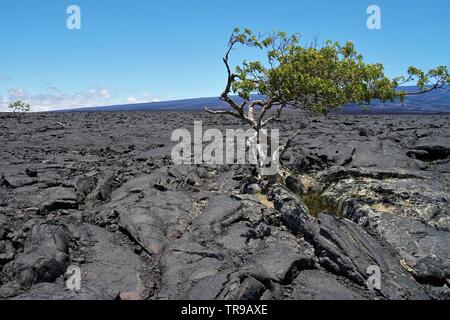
x,y
231,78
274,117
438,85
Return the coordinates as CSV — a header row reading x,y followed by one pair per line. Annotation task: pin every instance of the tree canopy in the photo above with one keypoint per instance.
x,y
19,106
317,78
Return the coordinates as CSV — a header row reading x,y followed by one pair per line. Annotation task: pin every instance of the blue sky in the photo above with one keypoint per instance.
x,y
136,50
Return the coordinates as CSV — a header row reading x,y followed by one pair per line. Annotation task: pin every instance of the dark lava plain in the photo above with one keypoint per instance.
x,y
99,191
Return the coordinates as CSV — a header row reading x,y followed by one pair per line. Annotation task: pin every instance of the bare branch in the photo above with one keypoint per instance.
x,y
274,117
267,121
266,107
231,78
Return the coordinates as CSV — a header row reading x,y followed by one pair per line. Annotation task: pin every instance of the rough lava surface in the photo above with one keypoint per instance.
x,y
99,191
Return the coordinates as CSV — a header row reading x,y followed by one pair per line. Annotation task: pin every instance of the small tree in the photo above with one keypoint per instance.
x,y
312,78
19,106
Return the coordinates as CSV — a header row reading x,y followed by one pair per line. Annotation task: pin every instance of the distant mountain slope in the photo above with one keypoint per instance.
x,y
437,101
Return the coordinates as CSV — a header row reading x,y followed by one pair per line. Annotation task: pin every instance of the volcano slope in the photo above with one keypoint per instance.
x,y
99,191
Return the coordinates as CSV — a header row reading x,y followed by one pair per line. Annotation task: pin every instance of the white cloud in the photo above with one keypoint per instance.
x,y
55,99
144,97
149,97
132,100
105,94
